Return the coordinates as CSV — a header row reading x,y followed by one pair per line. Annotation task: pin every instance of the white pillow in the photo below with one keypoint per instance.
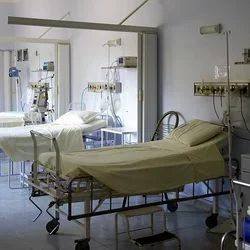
x,y
195,132
76,118
86,116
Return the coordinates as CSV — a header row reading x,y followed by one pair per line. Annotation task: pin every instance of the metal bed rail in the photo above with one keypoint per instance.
x,y
35,164
126,204
241,206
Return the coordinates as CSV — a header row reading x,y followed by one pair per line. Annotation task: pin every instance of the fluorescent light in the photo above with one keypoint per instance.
x,y
210,29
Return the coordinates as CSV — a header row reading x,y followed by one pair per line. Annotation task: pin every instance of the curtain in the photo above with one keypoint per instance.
x,y
5,81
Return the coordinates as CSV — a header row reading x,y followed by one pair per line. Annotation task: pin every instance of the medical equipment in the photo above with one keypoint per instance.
x,y
127,61
14,72
40,100
48,66
246,55
98,87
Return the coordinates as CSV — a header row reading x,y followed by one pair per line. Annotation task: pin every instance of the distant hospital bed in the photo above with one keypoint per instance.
x,y
13,119
68,129
190,154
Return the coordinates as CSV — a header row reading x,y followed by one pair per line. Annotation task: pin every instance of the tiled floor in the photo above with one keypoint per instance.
x,y
18,232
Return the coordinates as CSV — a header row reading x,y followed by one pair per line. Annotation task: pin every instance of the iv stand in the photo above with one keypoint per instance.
x,y
228,224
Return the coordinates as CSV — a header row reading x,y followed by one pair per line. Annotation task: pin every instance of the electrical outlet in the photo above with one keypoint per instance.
x,y
98,87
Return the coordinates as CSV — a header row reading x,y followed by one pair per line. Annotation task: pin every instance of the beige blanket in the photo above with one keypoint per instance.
x,y
143,168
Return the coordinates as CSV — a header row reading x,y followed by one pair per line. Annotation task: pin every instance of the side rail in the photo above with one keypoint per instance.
x,y
34,136
91,196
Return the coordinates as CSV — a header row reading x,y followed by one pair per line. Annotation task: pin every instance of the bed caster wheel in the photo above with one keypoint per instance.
x,y
52,226
212,221
82,245
172,207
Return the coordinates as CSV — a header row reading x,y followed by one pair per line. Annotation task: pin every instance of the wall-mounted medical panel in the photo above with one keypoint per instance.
x,y
98,87
220,88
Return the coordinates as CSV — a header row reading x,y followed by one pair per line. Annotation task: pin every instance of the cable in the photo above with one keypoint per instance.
x,y
110,71
21,92
241,111
113,111
238,136
82,97
215,109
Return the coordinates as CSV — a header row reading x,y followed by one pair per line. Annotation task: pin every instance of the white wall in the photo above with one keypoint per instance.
x,y
186,56
35,62
90,56
6,9
87,53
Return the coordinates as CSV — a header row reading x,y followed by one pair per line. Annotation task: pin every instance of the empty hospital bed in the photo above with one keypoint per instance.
x,y
157,167
14,119
16,142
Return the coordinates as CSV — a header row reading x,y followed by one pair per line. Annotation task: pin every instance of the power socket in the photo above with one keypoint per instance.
x,y
99,87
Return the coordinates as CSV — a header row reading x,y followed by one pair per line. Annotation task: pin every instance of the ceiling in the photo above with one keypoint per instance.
x,y
9,1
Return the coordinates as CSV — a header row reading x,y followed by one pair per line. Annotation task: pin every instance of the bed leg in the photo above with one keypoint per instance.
x,y
212,220
216,198
87,210
57,214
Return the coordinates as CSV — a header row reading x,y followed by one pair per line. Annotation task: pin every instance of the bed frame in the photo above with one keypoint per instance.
x,y
93,193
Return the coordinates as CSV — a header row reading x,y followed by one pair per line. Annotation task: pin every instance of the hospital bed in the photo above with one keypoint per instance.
x,y
155,167
14,119
17,143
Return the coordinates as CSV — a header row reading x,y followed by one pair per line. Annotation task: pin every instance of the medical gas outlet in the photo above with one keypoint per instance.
x,y
220,89
98,87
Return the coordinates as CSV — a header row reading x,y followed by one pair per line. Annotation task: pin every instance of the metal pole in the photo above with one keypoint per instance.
x,y
229,123
132,13
43,34
79,25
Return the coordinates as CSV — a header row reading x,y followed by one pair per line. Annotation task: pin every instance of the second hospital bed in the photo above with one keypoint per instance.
x,y
142,169
17,143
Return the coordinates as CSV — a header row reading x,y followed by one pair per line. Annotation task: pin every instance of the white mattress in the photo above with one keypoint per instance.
x,y
16,114
146,167
18,145
7,122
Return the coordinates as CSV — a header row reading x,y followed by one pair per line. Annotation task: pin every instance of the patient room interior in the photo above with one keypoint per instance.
x,y
124,124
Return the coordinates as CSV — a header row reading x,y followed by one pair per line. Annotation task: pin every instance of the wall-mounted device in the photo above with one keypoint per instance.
x,y
114,43
48,66
210,29
127,61
98,87
220,88
20,55
14,72
246,55
26,55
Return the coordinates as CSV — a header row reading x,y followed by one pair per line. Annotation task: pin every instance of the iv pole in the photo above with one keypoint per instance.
x,y
229,124
228,224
